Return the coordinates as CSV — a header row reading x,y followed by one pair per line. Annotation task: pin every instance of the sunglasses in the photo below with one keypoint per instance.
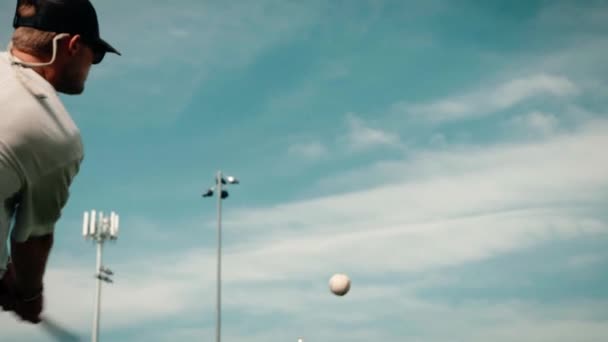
x,y
98,51
98,55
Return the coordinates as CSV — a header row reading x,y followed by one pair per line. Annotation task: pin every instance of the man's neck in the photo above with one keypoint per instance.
x,y
44,71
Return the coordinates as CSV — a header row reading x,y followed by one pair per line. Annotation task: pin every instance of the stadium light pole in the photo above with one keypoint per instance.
x,y
221,194
100,228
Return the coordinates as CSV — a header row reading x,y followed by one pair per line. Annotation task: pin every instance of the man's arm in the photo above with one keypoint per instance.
x,y
24,277
29,261
39,209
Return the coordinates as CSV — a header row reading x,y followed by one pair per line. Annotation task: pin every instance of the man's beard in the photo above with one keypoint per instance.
x,y
71,82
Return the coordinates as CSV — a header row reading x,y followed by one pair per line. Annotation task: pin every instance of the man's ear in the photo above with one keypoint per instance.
x,y
75,44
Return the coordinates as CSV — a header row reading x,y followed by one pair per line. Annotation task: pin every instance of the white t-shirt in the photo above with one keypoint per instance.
x,y
40,154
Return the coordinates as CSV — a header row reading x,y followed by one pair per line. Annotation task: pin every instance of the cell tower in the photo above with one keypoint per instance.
x,y
100,228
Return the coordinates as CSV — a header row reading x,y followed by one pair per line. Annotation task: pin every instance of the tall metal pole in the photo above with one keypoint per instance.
x,y
221,194
219,257
99,228
98,304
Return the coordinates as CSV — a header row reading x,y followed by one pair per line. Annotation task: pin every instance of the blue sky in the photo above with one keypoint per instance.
x,y
448,157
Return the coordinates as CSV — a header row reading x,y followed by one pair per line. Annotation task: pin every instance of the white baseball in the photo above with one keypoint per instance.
x,y
339,284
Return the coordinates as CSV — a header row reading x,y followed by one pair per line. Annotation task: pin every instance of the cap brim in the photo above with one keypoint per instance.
x,y
107,47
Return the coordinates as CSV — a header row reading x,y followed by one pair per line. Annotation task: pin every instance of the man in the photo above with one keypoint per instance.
x,y
54,44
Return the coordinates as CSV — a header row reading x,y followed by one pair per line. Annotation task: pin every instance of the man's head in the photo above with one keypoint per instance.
x,y
64,32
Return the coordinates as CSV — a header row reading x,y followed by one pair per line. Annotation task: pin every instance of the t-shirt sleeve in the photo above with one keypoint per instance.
x,y
42,201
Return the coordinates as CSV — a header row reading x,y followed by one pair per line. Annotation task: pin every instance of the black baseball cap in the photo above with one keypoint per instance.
x,y
67,16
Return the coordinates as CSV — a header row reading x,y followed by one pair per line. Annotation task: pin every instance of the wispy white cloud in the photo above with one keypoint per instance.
x,y
179,33
438,139
361,136
314,150
576,42
586,260
491,99
535,122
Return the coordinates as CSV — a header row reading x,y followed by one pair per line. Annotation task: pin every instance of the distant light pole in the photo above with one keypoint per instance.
x,y
221,194
100,228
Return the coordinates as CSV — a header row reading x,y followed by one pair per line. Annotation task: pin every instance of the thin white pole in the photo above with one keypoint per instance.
x,y
219,257
95,337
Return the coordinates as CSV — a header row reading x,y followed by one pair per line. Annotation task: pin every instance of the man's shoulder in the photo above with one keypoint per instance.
x,y
30,107
26,118
4,60
35,124
8,82
15,96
